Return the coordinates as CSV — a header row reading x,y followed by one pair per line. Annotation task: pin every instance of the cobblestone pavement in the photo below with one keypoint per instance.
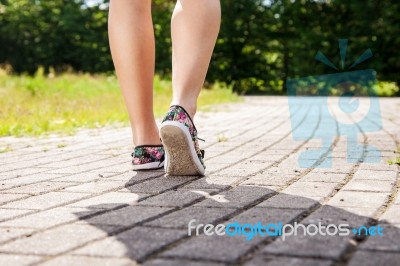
x,y
75,200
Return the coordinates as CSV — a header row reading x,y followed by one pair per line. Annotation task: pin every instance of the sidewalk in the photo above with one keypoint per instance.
x,y
76,201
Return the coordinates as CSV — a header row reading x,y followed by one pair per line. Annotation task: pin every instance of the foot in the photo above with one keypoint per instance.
x,y
179,137
148,157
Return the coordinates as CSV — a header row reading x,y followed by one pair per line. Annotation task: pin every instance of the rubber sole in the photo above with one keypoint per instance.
x,y
148,166
181,156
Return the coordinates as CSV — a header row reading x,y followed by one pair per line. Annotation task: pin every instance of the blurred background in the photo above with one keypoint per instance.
x,y
55,54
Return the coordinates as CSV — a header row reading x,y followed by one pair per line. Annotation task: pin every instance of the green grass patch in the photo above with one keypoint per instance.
x,y
61,104
394,161
6,149
222,138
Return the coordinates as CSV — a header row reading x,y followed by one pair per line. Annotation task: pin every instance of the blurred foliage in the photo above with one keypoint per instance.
x,y
43,103
261,43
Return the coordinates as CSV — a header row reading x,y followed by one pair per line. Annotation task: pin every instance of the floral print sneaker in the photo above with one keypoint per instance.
x,y
179,137
148,157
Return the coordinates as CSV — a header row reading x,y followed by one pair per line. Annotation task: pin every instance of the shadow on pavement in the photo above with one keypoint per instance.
x,y
154,229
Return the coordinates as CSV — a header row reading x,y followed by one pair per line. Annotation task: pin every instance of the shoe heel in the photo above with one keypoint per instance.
x,y
181,157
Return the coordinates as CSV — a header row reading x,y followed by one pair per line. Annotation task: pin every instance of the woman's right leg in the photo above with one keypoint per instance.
x,y
132,45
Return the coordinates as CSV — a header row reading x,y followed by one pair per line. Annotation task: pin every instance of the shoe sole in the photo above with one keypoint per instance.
x,y
181,156
148,166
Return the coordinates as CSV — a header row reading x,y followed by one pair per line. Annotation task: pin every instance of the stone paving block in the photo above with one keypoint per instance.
x,y
5,176
28,171
93,166
9,157
159,184
276,154
276,170
311,189
372,258
26,180
176,262
375,175
397,200
109,200
266,216
181,218
359,199
324,247
287,144
56,240
264,160
20,260
232,171
269,260
213,183
252,165
213,167
97,187
339,166
237,197
217,163
45,201
49,218
70,260
4,198
378,167
288,201
389,242
9,233
217,248
324,177
269,180
38,188
78,178
76,160
291,163
369,185
6,214
177,198
353,216
132,177
127,216
136,243
119,168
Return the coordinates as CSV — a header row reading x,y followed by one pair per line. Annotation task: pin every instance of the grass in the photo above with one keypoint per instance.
x,y
222,138
61,145
5,149
395,160
39,105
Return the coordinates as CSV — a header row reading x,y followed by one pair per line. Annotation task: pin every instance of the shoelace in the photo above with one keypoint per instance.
x,y
162,159
201,151
200,139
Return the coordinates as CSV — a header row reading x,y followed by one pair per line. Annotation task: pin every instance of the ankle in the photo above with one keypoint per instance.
x,y
189,107
146,136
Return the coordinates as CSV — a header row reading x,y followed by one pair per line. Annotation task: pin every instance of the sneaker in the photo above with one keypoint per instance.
x,y
179,137
148,157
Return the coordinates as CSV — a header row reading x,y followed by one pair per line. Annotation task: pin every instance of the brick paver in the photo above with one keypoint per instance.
x,y
74,200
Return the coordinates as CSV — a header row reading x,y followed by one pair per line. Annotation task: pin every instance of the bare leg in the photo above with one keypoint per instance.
x,y
133,50
195,27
